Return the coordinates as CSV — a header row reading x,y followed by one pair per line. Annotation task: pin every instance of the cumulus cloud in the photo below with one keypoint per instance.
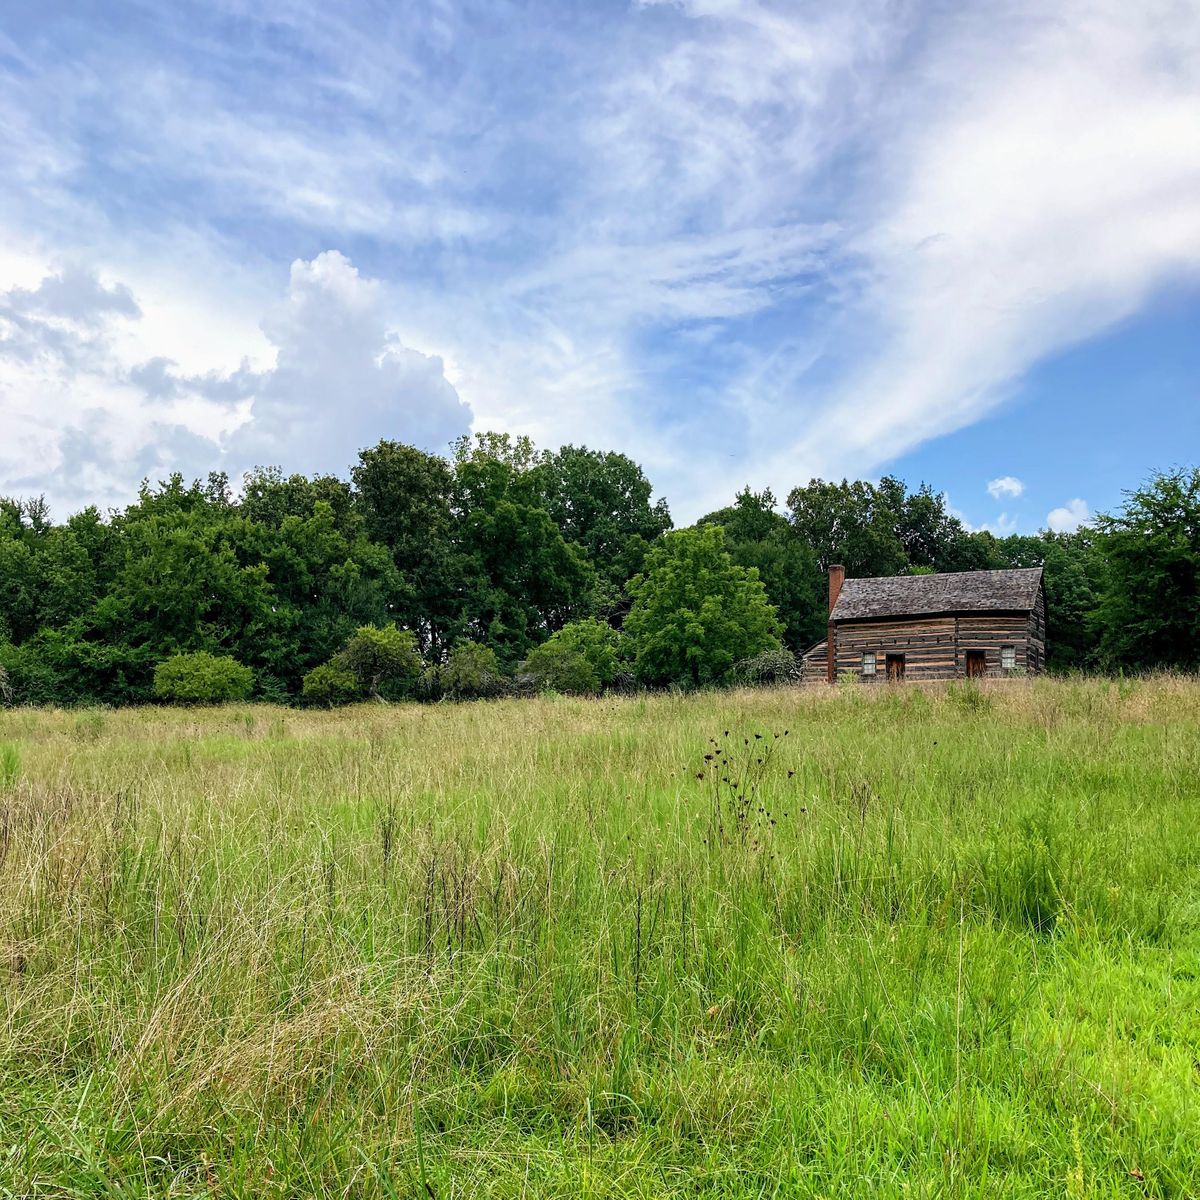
x,y
1069,517
84,425
342,379
1006,485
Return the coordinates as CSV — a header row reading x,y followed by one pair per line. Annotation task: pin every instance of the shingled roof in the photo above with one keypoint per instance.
x,y
924,595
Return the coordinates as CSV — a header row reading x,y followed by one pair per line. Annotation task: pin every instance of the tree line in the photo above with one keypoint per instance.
x,y
501,568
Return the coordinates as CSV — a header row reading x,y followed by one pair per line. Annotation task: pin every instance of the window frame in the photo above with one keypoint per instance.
x,y
874,658
1008,658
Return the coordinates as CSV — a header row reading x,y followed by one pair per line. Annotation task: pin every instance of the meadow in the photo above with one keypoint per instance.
x,y
834,943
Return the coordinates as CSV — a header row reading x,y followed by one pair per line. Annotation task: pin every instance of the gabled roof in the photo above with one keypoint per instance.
x,y
924,595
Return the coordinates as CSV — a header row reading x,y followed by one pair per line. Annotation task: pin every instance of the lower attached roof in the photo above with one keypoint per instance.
x,y
924,595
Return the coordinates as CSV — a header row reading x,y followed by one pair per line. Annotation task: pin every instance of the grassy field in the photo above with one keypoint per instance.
x,y
948,944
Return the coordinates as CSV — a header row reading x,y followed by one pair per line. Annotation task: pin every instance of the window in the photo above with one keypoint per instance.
x,y
1008,658
868,666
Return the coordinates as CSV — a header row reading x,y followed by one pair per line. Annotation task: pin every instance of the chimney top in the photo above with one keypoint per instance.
x,y
837,576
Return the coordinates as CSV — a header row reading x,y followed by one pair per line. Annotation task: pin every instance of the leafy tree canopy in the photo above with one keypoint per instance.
x,y
695,612
1149,612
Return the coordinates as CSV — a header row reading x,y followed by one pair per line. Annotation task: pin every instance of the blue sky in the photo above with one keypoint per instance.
x,y
745,242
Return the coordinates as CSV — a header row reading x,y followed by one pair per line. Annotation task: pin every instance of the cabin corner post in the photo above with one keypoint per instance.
x,y
837,576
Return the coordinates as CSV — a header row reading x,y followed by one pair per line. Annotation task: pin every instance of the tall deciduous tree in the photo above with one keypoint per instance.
x,y
1149,614
877,529
758,536
602,502
405,496
695,612
526,580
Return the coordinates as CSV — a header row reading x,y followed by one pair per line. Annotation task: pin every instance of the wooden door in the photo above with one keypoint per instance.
x,y
976,664
895,667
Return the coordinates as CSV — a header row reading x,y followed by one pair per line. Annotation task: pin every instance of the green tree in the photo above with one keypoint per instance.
x,y
602,502
526,580
757,536
405,497
583,656
1149,612
877,529
695,612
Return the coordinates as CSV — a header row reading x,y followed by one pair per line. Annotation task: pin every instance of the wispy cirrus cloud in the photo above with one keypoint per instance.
x,y
762,238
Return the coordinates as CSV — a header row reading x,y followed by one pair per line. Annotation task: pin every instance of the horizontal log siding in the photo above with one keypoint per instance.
x,y
1037,634
988,632
935,647
927,644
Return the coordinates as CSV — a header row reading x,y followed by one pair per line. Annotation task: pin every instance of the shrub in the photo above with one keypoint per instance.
x,y
329,685
581,657
768,668
471,671
29,678
559,668
384,661
202,678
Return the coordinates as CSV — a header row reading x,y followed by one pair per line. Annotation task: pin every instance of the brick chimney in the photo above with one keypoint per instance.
x,y
837,576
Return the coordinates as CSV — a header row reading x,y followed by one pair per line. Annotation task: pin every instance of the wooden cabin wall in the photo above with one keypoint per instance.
x,y
935,647
927,644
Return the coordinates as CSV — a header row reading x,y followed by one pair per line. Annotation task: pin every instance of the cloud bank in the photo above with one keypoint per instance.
x,y
82,421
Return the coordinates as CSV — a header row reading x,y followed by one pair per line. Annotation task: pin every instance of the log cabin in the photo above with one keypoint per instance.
x,y
967,624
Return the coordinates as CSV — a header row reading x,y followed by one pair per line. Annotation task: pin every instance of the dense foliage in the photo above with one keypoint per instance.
x,y
695,612
492,564
202,678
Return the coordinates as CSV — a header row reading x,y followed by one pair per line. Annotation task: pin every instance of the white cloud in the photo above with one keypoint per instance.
x,y
1069,517
1006,485
1037,192
84,424
342,379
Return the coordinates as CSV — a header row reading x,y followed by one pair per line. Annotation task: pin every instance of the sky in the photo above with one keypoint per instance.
x,y
742,242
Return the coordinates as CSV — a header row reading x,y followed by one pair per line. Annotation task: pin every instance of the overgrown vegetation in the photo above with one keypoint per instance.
x,y
518,553
869,943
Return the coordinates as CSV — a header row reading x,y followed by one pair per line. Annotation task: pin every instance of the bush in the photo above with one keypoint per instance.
x,y
582,657
558,668
768,668
470,672
202,678
29,679
329,685
384,661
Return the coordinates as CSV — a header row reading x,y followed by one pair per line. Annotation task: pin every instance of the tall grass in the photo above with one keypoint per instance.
x,y
931,944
